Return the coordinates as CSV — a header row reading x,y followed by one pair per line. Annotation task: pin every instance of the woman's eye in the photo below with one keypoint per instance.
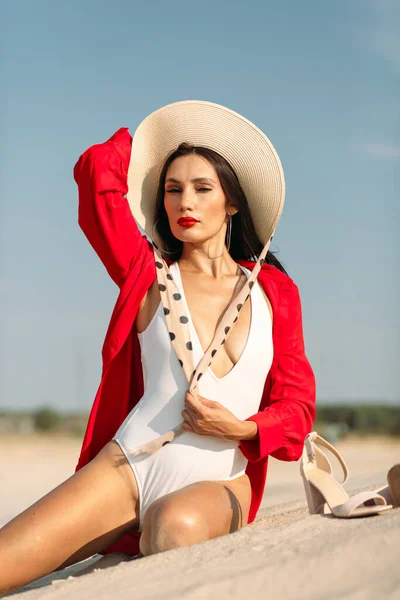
x,y
177,190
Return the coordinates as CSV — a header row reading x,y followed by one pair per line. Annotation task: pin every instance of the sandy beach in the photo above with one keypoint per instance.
x,y
286,553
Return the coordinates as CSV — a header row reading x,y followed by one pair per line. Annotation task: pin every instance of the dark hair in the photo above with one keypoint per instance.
x,y
245,243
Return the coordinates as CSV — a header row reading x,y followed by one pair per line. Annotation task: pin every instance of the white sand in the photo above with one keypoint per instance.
x,y
285,554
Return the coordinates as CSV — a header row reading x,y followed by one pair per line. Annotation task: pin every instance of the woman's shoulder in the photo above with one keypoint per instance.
x,y
270,273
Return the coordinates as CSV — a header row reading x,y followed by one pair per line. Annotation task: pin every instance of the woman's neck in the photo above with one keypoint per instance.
x,y
216,264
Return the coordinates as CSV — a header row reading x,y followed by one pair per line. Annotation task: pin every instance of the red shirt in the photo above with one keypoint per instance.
x,y
287,408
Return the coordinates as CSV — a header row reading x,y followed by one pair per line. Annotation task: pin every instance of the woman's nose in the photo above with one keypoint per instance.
x,y
187,199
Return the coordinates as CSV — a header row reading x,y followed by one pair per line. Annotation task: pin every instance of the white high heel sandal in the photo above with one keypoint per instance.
x,y
324,493
393,478
391,491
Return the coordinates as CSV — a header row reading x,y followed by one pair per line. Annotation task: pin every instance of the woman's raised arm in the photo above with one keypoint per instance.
x,y
104,214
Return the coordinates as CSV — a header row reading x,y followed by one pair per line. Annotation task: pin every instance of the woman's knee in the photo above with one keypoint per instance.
x,y
166,526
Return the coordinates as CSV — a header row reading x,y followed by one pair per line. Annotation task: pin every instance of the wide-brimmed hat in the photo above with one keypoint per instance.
x,y
199,123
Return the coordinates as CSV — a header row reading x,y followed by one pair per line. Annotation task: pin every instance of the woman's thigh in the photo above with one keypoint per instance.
x,y
79,518
195,513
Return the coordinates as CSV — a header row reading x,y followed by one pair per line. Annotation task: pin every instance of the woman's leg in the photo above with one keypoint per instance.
x,y
196,513
79,518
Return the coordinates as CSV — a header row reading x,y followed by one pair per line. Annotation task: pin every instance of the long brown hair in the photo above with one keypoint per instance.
x,y
245,243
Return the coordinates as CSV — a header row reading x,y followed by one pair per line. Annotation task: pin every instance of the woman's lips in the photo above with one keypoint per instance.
x,y
187,222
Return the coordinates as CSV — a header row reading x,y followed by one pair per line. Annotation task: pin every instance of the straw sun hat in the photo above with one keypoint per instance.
x,y
242,144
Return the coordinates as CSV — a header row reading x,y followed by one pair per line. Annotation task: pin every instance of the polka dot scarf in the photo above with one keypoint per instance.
x,y
179,332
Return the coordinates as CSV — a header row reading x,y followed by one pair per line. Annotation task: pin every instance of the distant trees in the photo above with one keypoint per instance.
x,y
46,419
361,418
333,420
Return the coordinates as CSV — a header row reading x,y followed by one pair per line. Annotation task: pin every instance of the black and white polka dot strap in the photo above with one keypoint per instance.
x,y
179,332
178,320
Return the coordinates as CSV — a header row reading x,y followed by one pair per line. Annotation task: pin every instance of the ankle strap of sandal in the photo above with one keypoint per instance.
x,y
314,438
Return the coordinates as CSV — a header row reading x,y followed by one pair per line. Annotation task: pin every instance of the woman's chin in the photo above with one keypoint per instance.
x,y
189,236
186,235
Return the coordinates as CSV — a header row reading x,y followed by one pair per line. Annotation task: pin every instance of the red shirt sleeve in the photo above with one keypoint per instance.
x,y
103,212
288,403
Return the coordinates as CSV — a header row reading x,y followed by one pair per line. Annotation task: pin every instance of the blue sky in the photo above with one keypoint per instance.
x,y
322,79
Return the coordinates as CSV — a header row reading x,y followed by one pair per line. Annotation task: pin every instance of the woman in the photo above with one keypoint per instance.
x,y
221,174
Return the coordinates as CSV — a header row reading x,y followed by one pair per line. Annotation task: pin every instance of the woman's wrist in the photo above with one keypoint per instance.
x,y
250,430
245,430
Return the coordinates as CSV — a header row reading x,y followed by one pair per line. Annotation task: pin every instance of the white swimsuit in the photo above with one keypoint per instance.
x,y
191,457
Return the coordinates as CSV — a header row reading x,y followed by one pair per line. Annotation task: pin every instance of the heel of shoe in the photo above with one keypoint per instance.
x,y
393,478
315,500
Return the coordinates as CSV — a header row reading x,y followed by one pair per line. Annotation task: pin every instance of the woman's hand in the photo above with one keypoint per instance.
x,y
207,417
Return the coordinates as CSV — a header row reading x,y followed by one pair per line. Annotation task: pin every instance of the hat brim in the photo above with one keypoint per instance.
x,y
246,148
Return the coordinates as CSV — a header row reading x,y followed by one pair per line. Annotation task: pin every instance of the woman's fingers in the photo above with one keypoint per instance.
x,y
187,418
192,401
199,402
191,411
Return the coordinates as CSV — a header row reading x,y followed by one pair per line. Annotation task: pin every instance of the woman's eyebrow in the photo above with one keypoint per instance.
x,y
195,180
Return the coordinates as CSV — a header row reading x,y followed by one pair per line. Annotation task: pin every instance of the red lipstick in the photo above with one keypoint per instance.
x,y
187,221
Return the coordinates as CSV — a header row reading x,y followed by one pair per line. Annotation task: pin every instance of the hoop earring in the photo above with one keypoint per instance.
x,y
227,235
157,246
229,232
